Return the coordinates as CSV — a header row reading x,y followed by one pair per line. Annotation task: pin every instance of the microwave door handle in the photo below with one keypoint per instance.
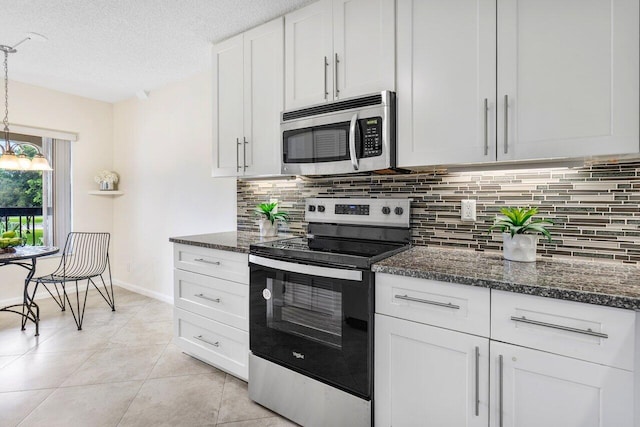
x,y
352,141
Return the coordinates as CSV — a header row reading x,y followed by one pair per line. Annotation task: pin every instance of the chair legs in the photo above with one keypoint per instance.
x,y
78,306
59,299
80,317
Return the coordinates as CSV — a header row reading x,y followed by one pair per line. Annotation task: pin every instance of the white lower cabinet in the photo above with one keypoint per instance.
x,y
545,362
211,298
429,376
531,388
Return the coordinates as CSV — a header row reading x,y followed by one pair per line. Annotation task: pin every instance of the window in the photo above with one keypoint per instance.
x,y
34,203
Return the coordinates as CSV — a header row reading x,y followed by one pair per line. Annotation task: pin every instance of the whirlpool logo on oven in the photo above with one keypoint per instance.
x,y
297,355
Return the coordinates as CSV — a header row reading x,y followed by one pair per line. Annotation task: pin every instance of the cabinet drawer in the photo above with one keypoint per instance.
x,y
212,262
217,299
594,333
223,346
448,305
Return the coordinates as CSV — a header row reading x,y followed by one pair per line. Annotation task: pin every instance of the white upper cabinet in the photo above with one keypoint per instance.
x,y
566,70
364,47
569,71
446,73
338,49
263,97
248,96
227,106
309,48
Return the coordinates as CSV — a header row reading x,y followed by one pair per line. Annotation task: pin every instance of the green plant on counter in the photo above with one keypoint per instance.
x,y
267,211
519,221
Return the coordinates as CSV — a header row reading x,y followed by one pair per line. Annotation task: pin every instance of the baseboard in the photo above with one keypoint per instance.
x,y
144,291
42,293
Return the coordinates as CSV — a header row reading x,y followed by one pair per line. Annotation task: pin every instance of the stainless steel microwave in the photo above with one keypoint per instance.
x,y
347,136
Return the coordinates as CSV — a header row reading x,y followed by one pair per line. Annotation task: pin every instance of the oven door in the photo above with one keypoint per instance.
x,y
314,320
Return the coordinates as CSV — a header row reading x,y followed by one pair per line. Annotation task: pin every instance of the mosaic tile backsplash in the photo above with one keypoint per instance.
x,y
595,209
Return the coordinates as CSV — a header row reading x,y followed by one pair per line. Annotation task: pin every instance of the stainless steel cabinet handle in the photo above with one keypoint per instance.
x,y
352,141
244,153
477,381
500,390
562,328
199,338
486,126
426,301
203,296
206,261
335,81
237,154
325,64
506,124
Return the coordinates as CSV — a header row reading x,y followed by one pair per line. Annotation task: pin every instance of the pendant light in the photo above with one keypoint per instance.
x,y
10,159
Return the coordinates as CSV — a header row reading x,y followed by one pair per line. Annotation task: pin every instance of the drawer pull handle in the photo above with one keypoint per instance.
x,y
477,381
203,296
426,301
206,261
562,328
500,391
215,344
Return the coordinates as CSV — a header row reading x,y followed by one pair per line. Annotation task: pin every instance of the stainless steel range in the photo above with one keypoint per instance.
x,y
311,311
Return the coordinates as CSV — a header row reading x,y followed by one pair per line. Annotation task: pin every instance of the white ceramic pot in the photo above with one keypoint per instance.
x,y
521,247
267,229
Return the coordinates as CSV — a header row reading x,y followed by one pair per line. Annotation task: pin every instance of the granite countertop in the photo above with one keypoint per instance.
x,y
234,241
608,284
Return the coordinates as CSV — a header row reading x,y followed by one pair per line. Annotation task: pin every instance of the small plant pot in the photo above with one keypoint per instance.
x,y
108,186
267,229
521,247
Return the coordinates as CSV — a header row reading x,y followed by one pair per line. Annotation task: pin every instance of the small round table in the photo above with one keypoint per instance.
x,y
25,257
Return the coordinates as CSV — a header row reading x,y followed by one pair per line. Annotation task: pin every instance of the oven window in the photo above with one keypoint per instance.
x,y
310,310
318,144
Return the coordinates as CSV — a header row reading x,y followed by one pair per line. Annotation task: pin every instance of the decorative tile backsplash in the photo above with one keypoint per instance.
x,y
595,209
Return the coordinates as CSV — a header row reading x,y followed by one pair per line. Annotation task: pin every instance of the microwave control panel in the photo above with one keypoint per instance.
x,y
372,136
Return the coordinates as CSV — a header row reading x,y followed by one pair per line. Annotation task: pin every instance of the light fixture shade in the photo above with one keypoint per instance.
x,y
40,163
9,161
24,162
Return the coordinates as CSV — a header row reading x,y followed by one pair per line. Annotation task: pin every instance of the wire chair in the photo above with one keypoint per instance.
x,y
85,257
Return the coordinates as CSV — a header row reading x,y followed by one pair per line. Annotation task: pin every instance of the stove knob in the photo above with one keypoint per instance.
x,y
320,208
399,210
312,208
386,210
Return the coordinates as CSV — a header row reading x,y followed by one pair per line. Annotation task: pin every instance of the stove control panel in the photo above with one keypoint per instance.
x,y
387,212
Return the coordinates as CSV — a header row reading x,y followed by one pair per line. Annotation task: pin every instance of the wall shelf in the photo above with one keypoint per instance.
x,y
106,193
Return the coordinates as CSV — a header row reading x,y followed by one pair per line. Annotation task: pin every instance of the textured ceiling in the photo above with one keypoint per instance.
x,y
111,49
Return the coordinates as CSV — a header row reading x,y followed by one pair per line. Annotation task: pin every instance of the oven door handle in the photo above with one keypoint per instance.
x,y
312,270
352,141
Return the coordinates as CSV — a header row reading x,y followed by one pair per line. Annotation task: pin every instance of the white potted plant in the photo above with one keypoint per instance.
x,y
519,233
107,180
268,216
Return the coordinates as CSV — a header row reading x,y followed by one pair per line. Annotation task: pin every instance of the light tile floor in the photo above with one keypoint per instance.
x,y
122,369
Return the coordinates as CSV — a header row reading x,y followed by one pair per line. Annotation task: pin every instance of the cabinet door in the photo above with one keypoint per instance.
x,y
364,47
446,76
227,107
534,389
308,55
263,98
428,376
569,70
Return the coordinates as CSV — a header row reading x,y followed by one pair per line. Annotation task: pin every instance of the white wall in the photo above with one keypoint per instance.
x,y
162,150
93,122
